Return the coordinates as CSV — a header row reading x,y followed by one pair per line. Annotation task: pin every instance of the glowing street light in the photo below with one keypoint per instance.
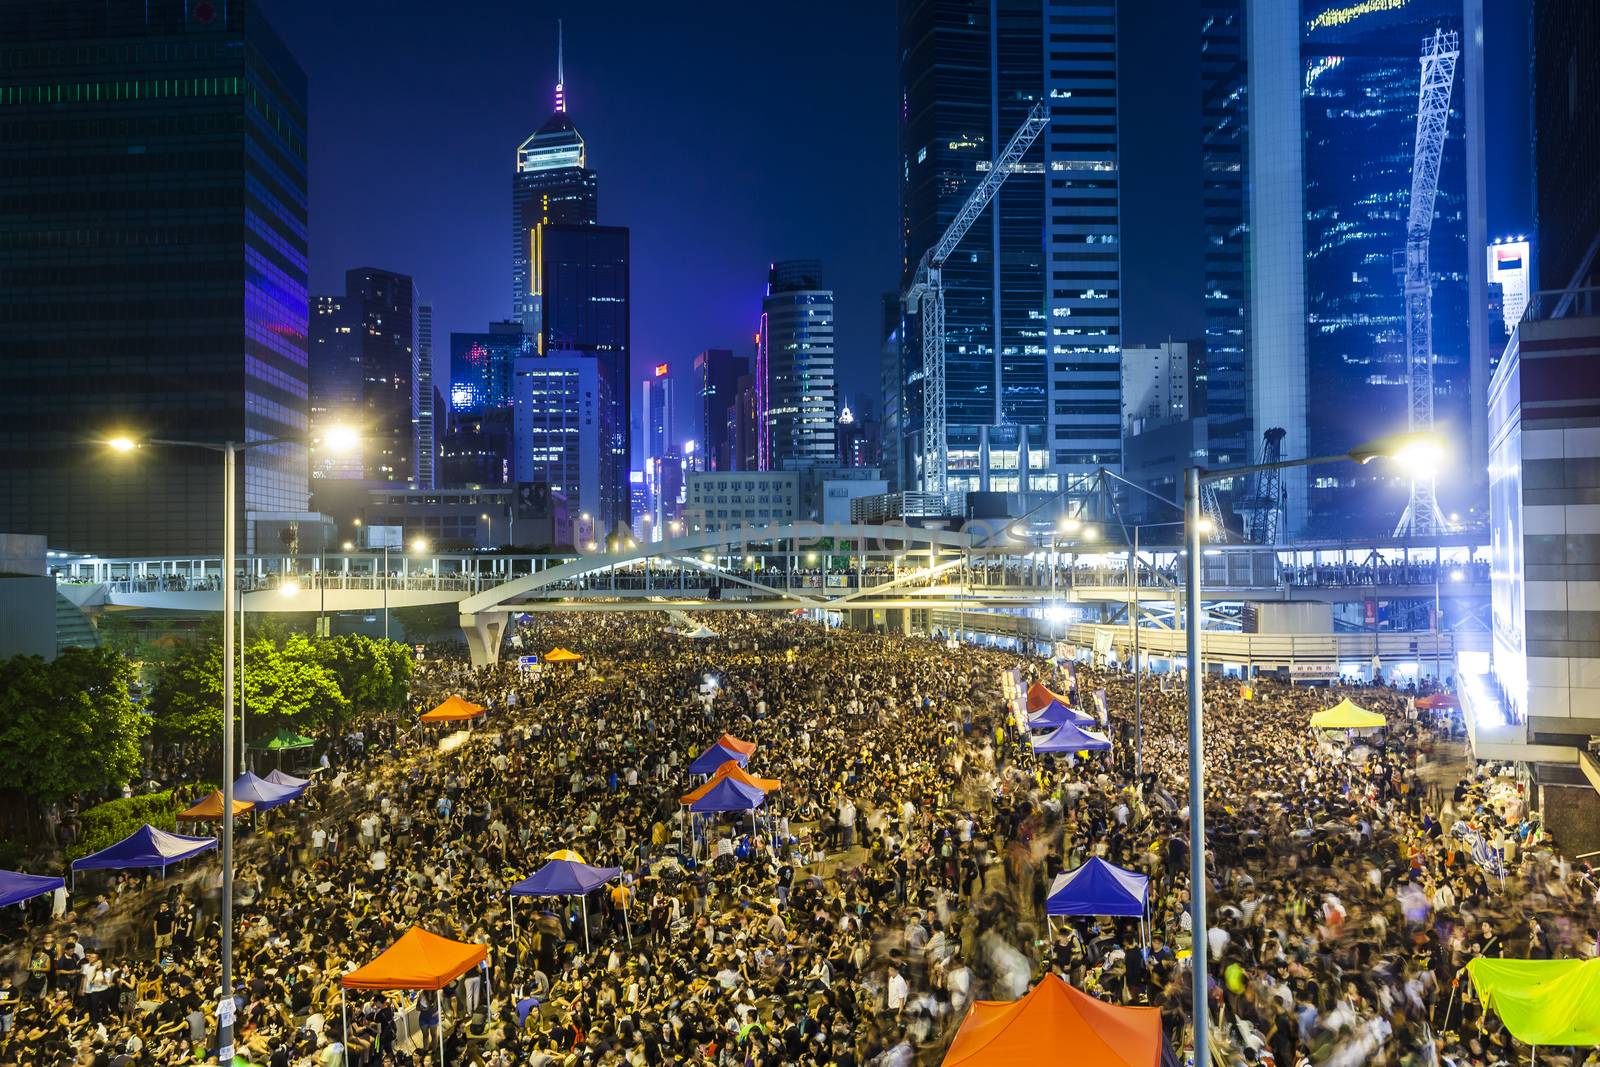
x,y
289,588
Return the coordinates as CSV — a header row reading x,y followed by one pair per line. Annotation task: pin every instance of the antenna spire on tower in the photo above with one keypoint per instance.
x,y
561,71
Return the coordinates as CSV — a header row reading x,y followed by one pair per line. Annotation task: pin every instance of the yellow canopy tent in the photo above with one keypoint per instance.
x,y
1542,1002
209,809
1347,716
565,854
562,655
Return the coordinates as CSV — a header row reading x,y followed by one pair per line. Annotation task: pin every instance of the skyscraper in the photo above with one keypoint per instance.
x,y
424,475
552,184
1333,95
147,292
334,370
717,372
1566,115
377,306
582,280
1222,211
798,339
1033,293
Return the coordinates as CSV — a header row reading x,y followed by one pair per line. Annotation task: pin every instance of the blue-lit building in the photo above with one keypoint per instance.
x,y
153,245
1332,103
482,365
1033,294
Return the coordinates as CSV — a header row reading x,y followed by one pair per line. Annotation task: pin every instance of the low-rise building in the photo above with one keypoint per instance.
x,y
718,501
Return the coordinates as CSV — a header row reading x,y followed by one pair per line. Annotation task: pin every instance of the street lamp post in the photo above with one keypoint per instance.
x,y
1418,450
230,453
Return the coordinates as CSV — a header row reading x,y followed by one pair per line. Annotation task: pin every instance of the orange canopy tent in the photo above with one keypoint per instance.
x,y
733,744
454,709
419,960
562,655
1056,1024
1438,700
210,808
731,769
1040,696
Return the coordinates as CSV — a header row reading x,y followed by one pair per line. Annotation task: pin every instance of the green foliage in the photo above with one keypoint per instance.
x,y
106,824
305,685
186,701
68,726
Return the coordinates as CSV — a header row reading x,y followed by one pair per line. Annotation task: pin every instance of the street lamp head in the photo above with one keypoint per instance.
x,y
1419,452
484,516
289,588
584,516
349,546
358,523
122,443
1091,533
1069,525
419,545
1205,525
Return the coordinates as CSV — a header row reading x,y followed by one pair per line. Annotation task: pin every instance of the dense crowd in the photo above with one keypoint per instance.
x,y
898,874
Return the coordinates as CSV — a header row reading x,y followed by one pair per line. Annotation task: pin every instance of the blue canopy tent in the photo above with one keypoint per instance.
x,y
288,781
566,878
18,888
715,756
145,847
1070,738
263,794
729,795
1099,888
1058,714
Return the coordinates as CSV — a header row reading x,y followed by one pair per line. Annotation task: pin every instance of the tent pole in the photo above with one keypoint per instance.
x,y
513,917
440,1003
584,903
344,1010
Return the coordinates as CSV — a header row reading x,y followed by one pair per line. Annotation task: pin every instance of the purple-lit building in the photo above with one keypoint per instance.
x,y
149,293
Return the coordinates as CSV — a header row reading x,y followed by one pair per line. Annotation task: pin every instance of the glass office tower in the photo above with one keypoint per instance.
x,y
1333,94
153,250
1032,294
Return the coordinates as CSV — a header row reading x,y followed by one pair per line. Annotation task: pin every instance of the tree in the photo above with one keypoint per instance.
x,y
374,675
186,700
288,691
68,726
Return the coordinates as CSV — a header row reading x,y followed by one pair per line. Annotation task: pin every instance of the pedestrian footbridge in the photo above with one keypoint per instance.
x,y
803,566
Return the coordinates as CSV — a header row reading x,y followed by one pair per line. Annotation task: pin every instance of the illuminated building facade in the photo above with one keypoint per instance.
x,y
562,426
369,337
797,338
716,374
552,184
483,365
145,293
1333,94
1033,320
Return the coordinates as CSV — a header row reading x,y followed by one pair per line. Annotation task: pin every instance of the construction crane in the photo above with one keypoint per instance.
x,y
1263,507
1439,54
925,297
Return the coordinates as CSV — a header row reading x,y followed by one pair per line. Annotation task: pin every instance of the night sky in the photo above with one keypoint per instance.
x,y
725,135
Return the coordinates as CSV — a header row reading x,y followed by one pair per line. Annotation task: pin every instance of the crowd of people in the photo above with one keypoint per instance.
x,y
897,874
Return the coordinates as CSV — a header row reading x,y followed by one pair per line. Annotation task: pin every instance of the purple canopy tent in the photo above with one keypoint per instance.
x,y
729,795
1070,738
288,781
1099,888
145,847
263,794
17,888
1056,714
566,878
715,756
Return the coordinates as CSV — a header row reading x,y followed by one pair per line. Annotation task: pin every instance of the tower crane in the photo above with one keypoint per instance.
x,y
925,297
1263,508
1439,55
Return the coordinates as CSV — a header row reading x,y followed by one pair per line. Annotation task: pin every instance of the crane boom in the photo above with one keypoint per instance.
x,y
925,296
1439,55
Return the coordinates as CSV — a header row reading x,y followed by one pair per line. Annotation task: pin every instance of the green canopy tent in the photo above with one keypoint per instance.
x,y
1542,1002
285,740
